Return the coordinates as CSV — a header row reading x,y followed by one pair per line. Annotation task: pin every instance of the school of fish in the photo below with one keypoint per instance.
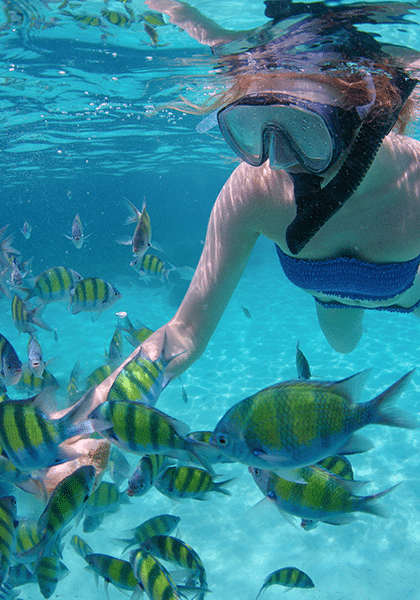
x,y
293,436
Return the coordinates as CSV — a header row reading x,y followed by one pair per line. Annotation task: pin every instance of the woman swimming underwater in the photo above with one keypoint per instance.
x,y
327,175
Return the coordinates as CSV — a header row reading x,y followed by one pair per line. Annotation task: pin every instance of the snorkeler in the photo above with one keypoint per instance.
x,y
326,174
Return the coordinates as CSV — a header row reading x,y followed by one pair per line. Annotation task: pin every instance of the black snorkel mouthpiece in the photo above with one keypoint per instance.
x,y
315,206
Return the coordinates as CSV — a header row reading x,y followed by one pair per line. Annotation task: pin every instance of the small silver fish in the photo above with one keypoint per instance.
x,y
143,233
10,365
77,233
26,230
35,360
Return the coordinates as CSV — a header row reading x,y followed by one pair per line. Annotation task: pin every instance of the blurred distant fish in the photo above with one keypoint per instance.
x,y
290,577
73,384
69,194
6,243
302,365
77,233
152,33
92,295
184,394
141,240
25,317
53,285
152,18
26,230
115,351
35,360
137,334
11,366
246,312
117,18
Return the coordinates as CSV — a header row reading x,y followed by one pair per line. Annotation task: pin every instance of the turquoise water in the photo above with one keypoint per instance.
x,y
77,136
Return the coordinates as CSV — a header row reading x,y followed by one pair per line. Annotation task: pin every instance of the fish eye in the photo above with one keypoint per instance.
x,y
222,439
271,495
256,471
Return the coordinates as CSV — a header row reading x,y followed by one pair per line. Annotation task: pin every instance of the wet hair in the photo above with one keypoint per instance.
x,y
354,89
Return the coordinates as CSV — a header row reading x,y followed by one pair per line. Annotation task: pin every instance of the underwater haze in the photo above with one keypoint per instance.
x,y
80,133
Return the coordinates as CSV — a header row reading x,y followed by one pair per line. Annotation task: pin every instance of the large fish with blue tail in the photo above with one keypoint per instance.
x,y
298,423
323,497
31,439
10,365
53,285
92,295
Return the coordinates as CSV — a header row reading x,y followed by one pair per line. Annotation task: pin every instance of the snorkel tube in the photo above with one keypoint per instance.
x,y
315,206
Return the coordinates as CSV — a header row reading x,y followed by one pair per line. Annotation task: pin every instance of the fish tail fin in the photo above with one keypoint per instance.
x,y
35,318
384,413
368,504
220,486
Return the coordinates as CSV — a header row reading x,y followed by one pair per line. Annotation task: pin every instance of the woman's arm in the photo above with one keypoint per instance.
x,y
198,26
233,229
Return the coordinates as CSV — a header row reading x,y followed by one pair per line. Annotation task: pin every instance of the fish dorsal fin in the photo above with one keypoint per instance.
x,y
351,387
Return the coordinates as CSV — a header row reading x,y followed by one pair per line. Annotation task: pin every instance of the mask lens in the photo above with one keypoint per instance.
x,y
304,131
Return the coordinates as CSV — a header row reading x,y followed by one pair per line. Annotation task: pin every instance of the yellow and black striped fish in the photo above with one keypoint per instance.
x,y
53,285
117,18
114,570
176,551
49,572
145,474
93,295
25,317
8,526
143,429
154,578
106,498
82,548
31,383
159,525
189,482
290,577
137,334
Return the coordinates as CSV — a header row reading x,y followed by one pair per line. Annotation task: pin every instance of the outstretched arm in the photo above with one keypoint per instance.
x,y
232,232
198,26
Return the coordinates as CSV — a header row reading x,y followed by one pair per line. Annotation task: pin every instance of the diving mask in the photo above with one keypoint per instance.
x,y
288,130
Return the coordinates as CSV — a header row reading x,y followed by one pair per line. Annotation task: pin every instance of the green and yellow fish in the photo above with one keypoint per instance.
x,y
324,497
49,572
106,498
26,317
298,423
145,474
290,577
189,482
116,571
8,525
137,334
53,285
31,383
159,525
82,548
153,577
92,295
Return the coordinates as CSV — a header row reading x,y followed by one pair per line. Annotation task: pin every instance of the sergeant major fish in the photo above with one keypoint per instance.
x,y
11,366
52,285
159,525
8,525
297,423
290,577
77,233
93,295
25,317
141,240
189,482
325,497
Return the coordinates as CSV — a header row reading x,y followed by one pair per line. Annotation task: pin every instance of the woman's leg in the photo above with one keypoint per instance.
x,y
341,326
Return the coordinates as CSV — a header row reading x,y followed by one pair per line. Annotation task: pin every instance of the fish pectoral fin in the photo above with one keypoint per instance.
x,y
355,445
290,475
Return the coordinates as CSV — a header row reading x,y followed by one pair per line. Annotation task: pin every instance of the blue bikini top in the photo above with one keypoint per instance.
x,y
349,277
